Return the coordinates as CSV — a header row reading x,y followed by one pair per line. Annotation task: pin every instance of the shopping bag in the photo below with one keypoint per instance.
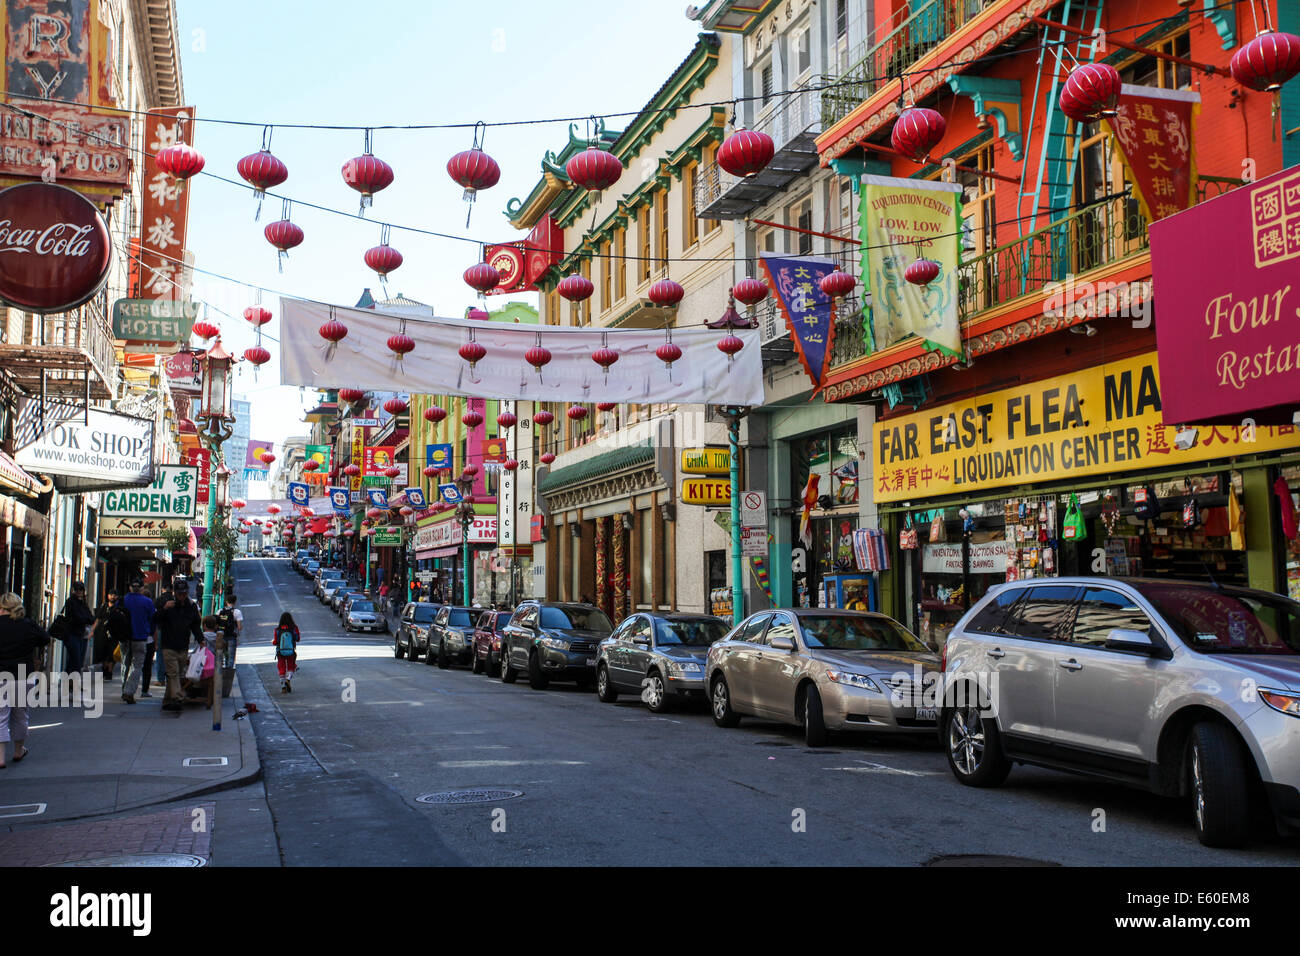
x,y
938,533
195,669
1073,528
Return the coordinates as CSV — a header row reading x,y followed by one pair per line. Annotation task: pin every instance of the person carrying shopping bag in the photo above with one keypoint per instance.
x,y
286,641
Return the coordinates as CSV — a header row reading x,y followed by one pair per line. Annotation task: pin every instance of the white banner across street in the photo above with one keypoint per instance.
x,y
362,359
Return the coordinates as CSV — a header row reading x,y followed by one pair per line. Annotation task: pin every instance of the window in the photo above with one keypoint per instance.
x,y
709,160
841,19
643,231
620,264
1044,614
690,225
802,52
605,291
1153,71
661,228
765,84
799,215
753,631
990,618
584,310
766,240
782,626
1101,611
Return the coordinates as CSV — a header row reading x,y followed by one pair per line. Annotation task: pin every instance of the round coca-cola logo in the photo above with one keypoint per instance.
x,y
54,248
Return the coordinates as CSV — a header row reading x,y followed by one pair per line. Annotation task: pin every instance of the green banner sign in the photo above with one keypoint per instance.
x,y
156,325
386,538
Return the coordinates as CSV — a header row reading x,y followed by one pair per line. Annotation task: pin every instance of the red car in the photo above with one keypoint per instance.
x,y
487,641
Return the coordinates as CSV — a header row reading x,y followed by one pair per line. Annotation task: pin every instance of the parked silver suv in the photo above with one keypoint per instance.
x,y
1181,688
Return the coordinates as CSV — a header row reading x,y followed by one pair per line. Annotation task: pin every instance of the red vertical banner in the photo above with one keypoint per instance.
x,y
202,458
1153,130
166,207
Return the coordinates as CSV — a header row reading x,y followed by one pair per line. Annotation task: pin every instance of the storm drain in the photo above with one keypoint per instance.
x,y
981,859
476,795
141,859
205,762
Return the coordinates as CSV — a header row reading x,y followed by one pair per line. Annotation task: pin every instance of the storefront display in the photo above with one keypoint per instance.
x,y
1030,534
853,592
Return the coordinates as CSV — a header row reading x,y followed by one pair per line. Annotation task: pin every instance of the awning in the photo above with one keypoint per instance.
x,y
438,553
14,478
16,514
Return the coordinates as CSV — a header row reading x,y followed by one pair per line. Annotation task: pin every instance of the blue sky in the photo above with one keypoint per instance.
x,y
395,62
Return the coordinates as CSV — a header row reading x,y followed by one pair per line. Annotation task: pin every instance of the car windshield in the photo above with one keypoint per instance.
x,y
362,606
844,632
689,633
459,617
578,618
1221,621
424,613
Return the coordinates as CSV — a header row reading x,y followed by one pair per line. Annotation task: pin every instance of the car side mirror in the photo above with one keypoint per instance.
x,y
641,639
1126,639
782,644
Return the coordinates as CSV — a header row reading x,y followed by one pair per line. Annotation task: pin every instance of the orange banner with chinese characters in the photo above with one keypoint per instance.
x,y
166,208
1153,132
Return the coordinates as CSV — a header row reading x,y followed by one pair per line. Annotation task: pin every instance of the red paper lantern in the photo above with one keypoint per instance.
x,y
577,413
392,471
1267,61
730,345
575,288
375,513
262,171
604,357
352,470
537,357
273,509
916,132
435,414
351,395
472,419
593,169
472,353
187,427
383,259
546,457
510,464
606,406
205,330
482,277
284,235
257,355
666,292
180,161
746,152
471,471
266,457
473,170
334,331
311,464
395,406
668,353
543,417
837,283
1091,92
239,503
367,174
257,315
429,471
507,420
750,291
400,344
921,272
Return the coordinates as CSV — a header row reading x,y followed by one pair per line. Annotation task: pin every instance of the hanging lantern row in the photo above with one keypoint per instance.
x,y
392,471
472,352
575,288
352,470
1266,62
507,420
180,161
546,457
257,316
311,464
367,173
606,406
543,417
593,169
666,293
482,277
262,171
267,457
922,272
472,419
383,258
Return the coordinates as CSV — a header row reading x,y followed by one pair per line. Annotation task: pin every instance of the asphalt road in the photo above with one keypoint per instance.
x,y
364,735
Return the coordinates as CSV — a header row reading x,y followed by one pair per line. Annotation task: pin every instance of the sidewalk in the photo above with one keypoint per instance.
x,y
127,757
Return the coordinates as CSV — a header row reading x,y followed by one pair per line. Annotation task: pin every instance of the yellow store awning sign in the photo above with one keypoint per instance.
x,y
706,491
1093,422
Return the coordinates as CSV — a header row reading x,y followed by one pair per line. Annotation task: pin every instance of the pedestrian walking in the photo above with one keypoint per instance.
x,y
232,622
383,598
21,640
176,622
76,618
286,651
137,653
112,631
164,595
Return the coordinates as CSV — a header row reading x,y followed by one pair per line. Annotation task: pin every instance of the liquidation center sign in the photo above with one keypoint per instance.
x,y
1095,421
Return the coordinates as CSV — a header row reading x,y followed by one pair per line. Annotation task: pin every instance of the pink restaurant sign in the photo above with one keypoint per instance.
x,y
1226,278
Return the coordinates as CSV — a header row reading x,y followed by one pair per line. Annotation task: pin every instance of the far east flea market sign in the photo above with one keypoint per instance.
x,y
1226,332
54,248
1041,432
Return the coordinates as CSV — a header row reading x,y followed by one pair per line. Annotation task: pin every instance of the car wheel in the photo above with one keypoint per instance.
x,y
605,691
412,649
443,661
720,700
508,674
475,667
655,694
430,657
397,649
1220,799
814,722
536,679
974,748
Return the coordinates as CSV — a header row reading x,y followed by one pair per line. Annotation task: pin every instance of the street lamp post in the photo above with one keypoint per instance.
x,y
465,512
734,413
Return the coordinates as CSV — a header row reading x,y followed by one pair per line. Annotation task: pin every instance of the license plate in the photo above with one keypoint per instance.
x,y
927,713
591,662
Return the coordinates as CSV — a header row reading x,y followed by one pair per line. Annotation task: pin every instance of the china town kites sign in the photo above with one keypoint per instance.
x,y
54,248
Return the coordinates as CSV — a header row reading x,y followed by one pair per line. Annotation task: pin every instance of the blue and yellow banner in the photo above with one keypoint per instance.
x,y
437,456
806,308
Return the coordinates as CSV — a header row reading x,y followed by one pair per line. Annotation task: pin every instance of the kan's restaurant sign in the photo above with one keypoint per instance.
x,y
1228,308
1095,421
54,248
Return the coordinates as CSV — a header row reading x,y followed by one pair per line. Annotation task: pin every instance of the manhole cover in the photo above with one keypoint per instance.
x,y
980,859
468,796
141,859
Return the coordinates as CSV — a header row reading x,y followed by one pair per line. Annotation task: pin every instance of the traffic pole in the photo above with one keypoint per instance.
x,y
737,561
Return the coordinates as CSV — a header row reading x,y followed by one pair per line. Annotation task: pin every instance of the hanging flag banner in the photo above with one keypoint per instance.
x,y
378,497
341,501
901,221
701,375
437,456
200,457
494,451
415,498
253,458
377,460
299,493
319,454
450,494
807,309
358,456
1153,128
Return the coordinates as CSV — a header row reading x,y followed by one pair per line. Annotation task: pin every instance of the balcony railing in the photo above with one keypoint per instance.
x,y
910,34
1078,243
73,349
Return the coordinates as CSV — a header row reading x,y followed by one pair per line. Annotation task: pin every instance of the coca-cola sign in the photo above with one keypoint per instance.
x,y
54,248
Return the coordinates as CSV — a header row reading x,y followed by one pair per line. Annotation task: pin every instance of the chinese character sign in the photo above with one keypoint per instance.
x,y
1153,128
807,309
340,501
415,498
358,455
377,460
201,458
165,209
299,493
902,220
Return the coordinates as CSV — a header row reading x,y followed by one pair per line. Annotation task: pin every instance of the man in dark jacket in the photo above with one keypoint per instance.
x,y
178,619
77,618
136,656
112,630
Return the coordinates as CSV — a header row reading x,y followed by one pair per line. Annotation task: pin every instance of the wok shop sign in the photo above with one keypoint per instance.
x,y
107,448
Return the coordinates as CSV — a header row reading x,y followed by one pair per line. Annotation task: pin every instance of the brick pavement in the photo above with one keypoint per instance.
x,y
187,829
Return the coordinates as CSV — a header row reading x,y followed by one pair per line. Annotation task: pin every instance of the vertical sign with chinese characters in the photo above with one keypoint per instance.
x,y
358,452
515,492
200,457
165,208
806,308
1153,128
